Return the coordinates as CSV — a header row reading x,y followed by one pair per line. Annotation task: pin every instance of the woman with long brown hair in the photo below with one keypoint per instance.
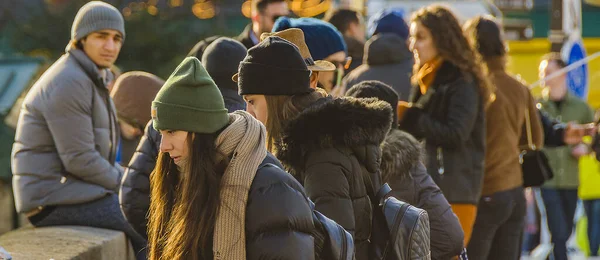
x,y
330,145
446,108
216,193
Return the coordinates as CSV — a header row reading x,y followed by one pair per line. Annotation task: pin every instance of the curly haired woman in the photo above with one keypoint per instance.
x,y
446,108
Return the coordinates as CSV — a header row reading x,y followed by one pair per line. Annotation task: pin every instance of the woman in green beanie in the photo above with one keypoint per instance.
x,y
216,193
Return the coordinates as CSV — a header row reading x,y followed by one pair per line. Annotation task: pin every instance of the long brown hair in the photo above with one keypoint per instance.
x,y
485,36
183,204
452,46
282,109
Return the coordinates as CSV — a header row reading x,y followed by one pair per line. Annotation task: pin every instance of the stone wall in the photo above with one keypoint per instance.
x,y
67,242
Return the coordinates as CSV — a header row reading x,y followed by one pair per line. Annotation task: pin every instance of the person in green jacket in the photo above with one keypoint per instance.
x,y
560,193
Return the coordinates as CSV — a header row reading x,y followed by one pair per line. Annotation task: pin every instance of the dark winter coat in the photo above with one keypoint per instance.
x,y
279,218
66,139
134,195
450,118
402,169
387,59
332,146
245,38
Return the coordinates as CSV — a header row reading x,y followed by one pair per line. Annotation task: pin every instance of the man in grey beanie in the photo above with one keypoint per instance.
x,y
63,158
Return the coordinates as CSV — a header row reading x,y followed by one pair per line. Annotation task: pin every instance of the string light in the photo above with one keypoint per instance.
x,y
152,10
176,3
204,9
126,11
247,9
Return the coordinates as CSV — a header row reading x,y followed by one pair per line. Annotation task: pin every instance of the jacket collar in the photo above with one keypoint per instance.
x,y
90,68
447,73
249,34
342,123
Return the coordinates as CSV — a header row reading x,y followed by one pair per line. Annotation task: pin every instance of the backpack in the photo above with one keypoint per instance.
x,y
399,231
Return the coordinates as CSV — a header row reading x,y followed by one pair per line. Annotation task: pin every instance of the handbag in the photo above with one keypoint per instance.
x,y
534,163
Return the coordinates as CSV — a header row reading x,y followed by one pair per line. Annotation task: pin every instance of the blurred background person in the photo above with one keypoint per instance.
x,y
132,94
324,42
352,26
512,123
446,109
264,13
387,57
560,193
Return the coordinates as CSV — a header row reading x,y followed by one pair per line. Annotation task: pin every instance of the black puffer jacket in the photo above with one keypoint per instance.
x,y
279,219
450,118
331,147
134,195
402,169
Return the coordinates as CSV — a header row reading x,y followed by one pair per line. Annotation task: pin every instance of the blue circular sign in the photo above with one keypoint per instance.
x,y
577,78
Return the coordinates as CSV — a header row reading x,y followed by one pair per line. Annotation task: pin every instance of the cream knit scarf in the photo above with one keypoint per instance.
x,y
244,141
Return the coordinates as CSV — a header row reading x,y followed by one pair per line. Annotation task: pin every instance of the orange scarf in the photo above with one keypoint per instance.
x,y
427,73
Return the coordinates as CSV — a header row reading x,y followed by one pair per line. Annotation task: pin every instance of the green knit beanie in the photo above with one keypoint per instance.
x,y
189,101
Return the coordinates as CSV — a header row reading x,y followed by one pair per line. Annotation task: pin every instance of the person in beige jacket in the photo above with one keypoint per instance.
x,y
501,210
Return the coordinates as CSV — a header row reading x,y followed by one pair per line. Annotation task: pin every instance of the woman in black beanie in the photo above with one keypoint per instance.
x,y
328,144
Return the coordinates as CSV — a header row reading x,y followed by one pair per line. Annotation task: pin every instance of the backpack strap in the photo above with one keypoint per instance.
x,y
383,192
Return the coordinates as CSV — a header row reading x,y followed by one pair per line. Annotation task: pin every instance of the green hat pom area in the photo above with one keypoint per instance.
x,y
189,101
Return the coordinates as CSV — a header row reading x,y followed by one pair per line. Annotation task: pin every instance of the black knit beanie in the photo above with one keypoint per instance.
x,y
273,67
379,90
221,60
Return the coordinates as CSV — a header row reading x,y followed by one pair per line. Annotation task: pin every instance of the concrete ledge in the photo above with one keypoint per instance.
x,y
67,242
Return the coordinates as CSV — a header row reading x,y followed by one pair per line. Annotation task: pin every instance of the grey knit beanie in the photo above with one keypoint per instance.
x,y
96,16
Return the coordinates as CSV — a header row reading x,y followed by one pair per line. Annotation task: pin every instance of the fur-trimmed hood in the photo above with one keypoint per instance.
x,y
401,152
345,122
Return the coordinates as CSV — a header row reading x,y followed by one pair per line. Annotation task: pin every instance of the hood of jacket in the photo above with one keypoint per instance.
x,y
386,48
357,124
401,152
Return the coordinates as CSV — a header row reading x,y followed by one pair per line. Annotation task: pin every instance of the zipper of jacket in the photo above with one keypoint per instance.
x,y
440,159
344,249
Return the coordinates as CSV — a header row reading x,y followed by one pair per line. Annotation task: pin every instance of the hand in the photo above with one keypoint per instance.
x,y
574,133
590,129
579,150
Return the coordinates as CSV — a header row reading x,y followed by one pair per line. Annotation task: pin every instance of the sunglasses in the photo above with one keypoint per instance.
x,y
339,72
